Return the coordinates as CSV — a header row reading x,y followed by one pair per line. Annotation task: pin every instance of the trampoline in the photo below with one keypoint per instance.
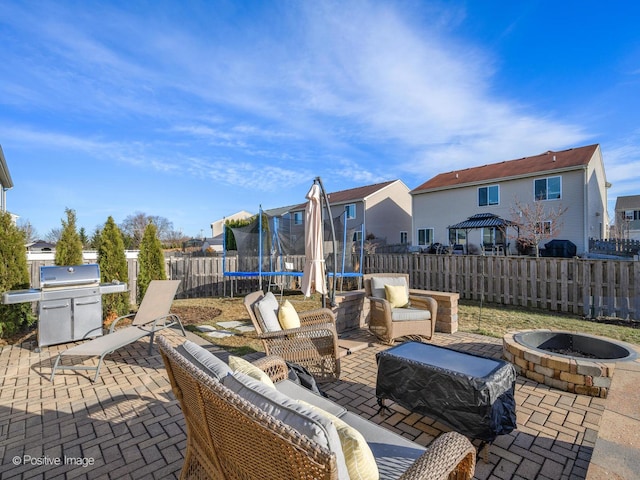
x,y
271,248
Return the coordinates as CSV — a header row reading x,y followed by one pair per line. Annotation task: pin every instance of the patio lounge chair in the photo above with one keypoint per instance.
x,y
152,315
314,345
387,322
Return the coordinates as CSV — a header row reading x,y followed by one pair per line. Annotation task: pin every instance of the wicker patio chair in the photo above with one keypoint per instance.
x,y
314,345
230,438
389,323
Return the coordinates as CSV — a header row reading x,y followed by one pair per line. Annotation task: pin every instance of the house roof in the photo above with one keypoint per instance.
x,y
545,162
5,177
279,211
342,196
358,193
630,202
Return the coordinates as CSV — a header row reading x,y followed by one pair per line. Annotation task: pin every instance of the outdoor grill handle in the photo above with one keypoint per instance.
x,y
47,307
93,302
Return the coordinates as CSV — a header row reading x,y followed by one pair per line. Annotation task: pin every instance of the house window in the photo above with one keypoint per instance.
x,y
488,236
488,195
297,218
351,210
404,237
458,237
492,236
549,188
543,228
357,236
425,236
632,214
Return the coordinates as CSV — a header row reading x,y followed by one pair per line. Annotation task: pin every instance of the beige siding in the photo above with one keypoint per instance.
x,y
597,213
389,212
439,209
385,213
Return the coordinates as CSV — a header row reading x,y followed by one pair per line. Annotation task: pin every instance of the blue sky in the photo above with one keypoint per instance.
x,y
195,110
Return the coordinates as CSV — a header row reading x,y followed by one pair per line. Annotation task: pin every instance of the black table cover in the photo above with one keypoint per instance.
x,y
473,395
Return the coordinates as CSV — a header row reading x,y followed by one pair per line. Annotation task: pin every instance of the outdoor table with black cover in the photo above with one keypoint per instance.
x,y
471,394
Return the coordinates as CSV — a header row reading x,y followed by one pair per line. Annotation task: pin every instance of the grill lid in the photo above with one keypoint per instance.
x,y
69,276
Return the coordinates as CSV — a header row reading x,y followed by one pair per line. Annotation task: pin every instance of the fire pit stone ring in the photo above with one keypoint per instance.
x,y
573,362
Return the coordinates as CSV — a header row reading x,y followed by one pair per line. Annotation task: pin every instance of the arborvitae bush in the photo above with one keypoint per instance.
x,y
14,275
113,266
150,260
230,239
69,247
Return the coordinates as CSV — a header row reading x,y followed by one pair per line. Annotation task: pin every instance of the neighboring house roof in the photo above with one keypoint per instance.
x,y
527,166
40,245
5,177
358,193
630,202
337,198
278,212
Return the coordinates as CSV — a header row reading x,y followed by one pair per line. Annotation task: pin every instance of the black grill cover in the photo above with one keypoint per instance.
x,y
473,395
559,248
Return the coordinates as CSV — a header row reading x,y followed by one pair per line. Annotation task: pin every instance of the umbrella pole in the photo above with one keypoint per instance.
x,y
332,292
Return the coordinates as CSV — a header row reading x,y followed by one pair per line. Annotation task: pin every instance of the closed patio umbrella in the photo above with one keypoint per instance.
x,y
313,278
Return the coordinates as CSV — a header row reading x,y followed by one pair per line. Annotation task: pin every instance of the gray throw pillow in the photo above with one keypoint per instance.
x,y
267,311
205,360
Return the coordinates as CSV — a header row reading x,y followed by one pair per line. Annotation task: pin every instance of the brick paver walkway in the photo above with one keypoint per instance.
x,y
129,425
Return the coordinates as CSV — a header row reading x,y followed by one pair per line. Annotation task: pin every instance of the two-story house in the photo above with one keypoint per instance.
x,y
571,179
5,182
628,217
215,242
381,211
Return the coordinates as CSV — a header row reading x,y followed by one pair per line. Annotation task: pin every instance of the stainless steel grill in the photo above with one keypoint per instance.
x,y
69,302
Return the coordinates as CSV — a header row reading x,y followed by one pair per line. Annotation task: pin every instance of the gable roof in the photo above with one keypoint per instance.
x,y
358,193
545,162
629,202
344,196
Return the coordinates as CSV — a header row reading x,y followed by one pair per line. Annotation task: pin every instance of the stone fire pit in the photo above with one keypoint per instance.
x,y
573,362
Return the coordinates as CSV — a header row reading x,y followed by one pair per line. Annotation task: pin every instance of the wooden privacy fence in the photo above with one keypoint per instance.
x,y
586,287
581,286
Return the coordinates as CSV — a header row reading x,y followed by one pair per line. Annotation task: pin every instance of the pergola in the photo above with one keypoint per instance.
x,y
485,220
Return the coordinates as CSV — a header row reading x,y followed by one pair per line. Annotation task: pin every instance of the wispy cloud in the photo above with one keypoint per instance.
x,y
256,99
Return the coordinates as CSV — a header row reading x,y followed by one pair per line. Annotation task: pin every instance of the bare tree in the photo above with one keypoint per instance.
x,y
133,227
54,235
537,221
30,233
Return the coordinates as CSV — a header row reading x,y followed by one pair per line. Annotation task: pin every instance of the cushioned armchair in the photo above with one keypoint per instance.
x,y
395,312
314,344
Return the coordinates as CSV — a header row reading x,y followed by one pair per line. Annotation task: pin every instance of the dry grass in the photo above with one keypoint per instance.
x,y
496,320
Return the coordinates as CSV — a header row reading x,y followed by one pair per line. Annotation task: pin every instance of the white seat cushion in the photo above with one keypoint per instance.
x,y
408,314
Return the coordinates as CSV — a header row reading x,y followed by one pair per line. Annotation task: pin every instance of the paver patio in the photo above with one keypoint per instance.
x,y
129,425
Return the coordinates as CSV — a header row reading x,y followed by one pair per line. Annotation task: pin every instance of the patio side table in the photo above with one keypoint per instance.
x,y
471,394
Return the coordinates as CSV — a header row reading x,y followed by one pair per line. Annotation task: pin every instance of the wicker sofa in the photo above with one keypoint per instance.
x,y
231,435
